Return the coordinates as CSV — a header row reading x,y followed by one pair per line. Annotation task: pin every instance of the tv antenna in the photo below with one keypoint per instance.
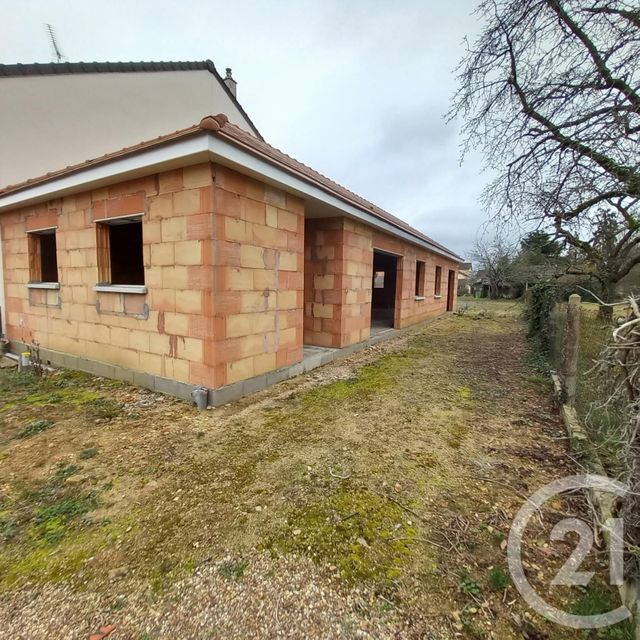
x,y
54,44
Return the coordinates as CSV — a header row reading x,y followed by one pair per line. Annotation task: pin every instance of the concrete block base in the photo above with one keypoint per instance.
x,y
314,357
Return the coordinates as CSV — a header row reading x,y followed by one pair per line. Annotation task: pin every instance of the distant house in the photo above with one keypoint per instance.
x,y
464,278
206,257
481,286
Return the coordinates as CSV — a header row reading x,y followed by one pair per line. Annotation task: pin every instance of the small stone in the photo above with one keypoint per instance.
x,y
258,509
119,572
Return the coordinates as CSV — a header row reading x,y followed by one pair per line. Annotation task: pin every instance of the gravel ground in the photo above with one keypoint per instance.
x,y
283,598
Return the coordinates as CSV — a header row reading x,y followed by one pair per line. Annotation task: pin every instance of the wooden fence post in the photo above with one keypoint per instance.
x,y
571,345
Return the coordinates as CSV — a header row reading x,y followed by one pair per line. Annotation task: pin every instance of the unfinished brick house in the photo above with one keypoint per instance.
x,y
207,258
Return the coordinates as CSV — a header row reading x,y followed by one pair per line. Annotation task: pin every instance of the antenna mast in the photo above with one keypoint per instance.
x,y
54,44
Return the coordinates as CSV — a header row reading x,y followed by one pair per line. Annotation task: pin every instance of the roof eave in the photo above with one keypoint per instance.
x,y
190,147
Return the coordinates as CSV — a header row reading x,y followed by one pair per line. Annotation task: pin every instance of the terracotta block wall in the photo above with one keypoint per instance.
x,y
223,259
337,266
151,332
408,309
259,252
338,281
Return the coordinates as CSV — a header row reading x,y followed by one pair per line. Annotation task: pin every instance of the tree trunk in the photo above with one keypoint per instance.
x,y
605,313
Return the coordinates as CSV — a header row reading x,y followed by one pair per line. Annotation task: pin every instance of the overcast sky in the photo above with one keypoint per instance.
x,y
355,88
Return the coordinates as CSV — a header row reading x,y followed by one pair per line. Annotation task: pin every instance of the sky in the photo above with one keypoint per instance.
x,y
357,89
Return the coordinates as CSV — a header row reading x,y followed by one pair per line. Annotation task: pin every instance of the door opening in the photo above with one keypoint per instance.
x,y
451,289
383,296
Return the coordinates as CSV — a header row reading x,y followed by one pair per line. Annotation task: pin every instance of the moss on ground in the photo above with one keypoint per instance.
x,y
366,536
43,525
65,560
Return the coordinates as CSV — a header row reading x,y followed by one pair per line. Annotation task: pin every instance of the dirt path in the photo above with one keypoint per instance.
x,y
369,499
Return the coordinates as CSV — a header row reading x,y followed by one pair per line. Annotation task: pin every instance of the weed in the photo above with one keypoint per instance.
x,y
50,531
65,471
87,454
232,569
56,507
66,509
13,379
34,428
498,579
118,604
105,408
470,587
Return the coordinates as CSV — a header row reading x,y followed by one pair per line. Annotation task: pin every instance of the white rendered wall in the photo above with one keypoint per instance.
x,y
48,122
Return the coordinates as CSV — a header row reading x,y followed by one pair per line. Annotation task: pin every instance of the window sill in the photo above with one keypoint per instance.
x,y
121,288
419,298
43,285
438,297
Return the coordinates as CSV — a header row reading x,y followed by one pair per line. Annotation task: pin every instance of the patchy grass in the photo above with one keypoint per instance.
x,y
42,516
596,599
479,308
372,466
67,561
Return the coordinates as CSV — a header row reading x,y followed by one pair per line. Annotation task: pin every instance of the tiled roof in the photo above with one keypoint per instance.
x,y
220,126
62,68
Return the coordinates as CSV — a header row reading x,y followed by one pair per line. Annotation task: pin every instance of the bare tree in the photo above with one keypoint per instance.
x,y
550,92
494,259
